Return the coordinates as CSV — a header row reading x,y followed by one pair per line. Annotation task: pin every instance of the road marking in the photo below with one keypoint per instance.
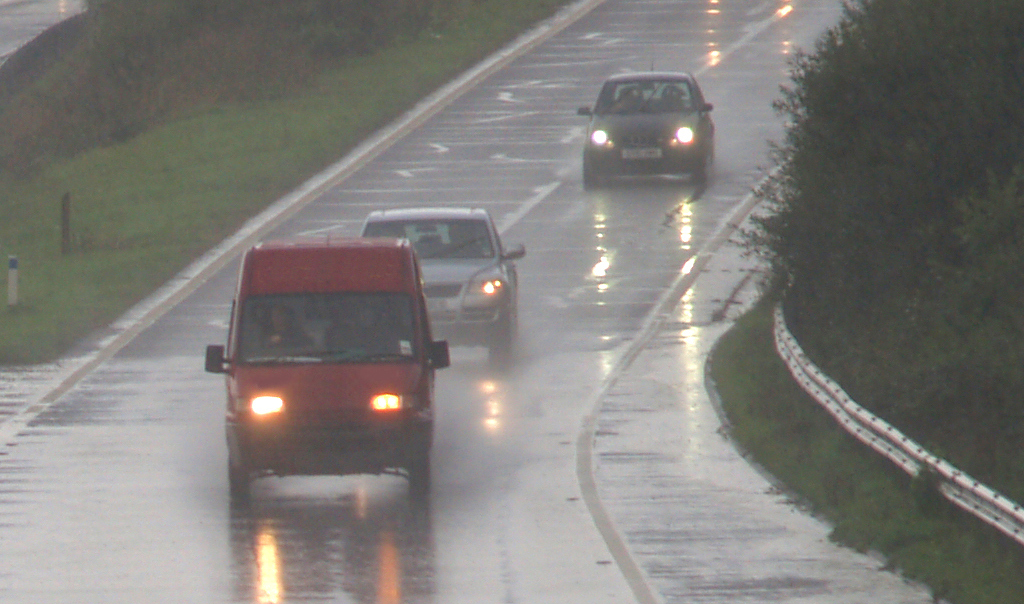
x,y
502,118
542,193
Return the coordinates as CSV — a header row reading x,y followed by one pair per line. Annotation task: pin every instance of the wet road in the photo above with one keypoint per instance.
x,y
591,471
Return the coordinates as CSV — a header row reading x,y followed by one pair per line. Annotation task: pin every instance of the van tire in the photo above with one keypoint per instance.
x,y
239,480
419,475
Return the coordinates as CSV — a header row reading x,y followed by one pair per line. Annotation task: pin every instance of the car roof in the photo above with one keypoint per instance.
x,y
643,76
427,213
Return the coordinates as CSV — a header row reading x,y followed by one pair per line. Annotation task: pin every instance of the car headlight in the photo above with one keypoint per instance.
x,y
386,402
266,405
685,135
485,290
490,287
600,138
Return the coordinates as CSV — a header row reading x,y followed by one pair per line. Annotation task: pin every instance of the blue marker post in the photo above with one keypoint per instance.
x,y
12,281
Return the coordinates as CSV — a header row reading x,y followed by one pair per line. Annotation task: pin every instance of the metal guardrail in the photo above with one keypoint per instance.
x,y
964,491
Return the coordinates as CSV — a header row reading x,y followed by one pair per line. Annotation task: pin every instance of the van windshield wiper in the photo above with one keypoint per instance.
x,y
360,355
386,356
285,359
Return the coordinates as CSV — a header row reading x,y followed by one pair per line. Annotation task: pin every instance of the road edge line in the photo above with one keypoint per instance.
x,y
585,471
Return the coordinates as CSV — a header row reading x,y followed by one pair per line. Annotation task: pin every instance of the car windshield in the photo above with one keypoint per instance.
x,y
331,327
439,238
645,96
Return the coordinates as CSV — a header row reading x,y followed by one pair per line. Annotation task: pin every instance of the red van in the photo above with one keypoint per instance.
x,y
329,362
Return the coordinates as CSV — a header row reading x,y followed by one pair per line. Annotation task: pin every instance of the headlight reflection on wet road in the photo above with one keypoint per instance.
x,y
268,566
492,405
389,583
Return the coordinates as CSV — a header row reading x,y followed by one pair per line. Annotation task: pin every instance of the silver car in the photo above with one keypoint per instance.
x,y
470,279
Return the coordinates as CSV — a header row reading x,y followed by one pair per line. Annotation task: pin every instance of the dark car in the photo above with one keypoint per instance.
x,y
470,279
651,123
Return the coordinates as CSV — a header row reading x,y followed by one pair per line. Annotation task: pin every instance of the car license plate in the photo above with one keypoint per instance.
x,y
642,153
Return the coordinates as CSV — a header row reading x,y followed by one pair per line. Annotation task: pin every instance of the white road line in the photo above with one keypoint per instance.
x,y
541,194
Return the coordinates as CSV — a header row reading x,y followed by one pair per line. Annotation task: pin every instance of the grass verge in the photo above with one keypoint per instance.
x,y
871,505
142,210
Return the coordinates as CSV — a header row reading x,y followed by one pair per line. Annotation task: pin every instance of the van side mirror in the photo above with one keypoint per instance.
x,y
585,111
215,359
708,107
438,355
515,253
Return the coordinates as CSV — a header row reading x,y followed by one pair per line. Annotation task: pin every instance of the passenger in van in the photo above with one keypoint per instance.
x,y
282,330
366,327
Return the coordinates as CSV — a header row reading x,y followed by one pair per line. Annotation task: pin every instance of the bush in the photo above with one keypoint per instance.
x,y
897,222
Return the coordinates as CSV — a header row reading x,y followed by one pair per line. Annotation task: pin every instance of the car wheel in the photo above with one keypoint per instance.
x,y
591,180
239,480
703,172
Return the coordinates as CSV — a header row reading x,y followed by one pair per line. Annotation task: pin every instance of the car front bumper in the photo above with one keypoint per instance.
x,y
666,159
468,326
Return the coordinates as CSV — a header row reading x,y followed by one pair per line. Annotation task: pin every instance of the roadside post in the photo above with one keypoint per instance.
x,y
12,281
65,224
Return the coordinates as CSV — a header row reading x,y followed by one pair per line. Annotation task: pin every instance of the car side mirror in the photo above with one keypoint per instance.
x,y
438,355
585,111
215,362
515,253
707,107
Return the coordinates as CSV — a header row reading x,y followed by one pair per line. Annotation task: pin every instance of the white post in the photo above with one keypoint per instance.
x,y
12,281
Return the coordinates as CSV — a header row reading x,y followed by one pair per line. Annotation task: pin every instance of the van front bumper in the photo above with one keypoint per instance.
x,y
361,447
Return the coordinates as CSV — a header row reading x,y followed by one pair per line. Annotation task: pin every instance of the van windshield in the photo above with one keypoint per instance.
x,y
326,327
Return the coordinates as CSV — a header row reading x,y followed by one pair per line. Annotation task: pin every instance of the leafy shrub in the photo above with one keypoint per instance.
x,y
898,218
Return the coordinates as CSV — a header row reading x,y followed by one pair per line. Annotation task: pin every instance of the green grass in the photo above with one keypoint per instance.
x,y
142,210
871,505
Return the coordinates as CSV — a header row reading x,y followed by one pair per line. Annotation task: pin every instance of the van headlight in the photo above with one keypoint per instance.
x,y
387,402
266,405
